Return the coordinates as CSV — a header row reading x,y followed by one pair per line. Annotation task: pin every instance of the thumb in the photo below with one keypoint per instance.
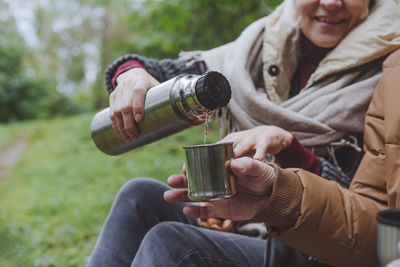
x,y
246,166
261,152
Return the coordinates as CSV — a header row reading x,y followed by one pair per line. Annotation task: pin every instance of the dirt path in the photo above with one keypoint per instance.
x,y
11,156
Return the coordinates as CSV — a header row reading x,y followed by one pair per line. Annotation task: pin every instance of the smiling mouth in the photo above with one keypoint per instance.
x,y
330,20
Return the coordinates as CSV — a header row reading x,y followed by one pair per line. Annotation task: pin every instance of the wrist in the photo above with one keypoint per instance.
x,y
125,67
282,208
296,155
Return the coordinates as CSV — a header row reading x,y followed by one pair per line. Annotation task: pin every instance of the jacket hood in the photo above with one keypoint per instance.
x,y
373,38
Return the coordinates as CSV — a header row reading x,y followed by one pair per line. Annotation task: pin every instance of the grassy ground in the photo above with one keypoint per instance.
x,y
54,201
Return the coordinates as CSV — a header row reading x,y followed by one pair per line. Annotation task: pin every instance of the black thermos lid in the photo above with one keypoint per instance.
x,y
213,90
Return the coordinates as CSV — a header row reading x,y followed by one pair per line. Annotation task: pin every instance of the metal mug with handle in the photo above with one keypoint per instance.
x,y
209,178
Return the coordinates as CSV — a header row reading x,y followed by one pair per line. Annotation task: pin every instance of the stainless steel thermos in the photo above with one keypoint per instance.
x,y
170,107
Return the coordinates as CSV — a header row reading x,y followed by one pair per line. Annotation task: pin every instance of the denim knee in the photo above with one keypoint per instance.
x,y
170,235
142,189
166,230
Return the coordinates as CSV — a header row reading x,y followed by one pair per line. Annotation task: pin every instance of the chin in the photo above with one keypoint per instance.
x,y
329,43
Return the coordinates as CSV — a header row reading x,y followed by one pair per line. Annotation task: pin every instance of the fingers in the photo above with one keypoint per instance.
x,y
138,101
117,121
229,138
175,196
261,151
199,211
242,145
129,125
128,115
114,124
122,109
184,169
177,181
244,148
127,102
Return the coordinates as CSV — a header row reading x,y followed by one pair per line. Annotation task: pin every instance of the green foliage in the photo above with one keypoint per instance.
x,y
23,97
164,28
78,39
53,203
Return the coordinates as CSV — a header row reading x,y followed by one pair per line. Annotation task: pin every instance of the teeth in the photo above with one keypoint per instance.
x,y
329,20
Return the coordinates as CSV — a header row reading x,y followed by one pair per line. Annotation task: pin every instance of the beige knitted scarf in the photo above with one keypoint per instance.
x,y
317,116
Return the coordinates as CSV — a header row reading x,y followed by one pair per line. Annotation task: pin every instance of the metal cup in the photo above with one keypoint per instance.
x,y
388,235
206,169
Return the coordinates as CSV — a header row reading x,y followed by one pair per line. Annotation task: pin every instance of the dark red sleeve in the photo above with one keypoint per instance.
x,y
130,64
297,156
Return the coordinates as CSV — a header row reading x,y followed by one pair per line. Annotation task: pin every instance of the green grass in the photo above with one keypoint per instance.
x,y
54,201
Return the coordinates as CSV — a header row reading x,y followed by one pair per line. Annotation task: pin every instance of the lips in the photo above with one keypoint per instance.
x,y
330,20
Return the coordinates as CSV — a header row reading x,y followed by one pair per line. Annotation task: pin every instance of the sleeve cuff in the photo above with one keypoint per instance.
x,y
112,69
295,155
282,208
125,67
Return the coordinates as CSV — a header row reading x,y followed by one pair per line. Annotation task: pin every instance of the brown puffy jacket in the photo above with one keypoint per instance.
x,y
337,225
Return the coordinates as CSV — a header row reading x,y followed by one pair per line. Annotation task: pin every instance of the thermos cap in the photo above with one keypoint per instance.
x,y
213,90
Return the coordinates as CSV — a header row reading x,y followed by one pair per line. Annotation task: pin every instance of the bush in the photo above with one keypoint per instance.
x,y
23,97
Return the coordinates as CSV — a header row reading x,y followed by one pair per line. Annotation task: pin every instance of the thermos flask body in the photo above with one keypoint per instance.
x,y
170,107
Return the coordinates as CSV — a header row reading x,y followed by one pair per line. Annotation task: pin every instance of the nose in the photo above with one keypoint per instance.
x,y
331,4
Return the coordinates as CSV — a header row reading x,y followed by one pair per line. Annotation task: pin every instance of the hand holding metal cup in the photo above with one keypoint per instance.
x,y
254,181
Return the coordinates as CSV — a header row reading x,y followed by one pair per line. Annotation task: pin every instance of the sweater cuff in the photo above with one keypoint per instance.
x,y
297,156
125,67
282,209
112,69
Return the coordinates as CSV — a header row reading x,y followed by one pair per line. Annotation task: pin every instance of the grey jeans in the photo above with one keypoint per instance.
x,y
144,230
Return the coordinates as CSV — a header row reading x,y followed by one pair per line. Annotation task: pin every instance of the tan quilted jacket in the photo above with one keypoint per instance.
x,y
335,225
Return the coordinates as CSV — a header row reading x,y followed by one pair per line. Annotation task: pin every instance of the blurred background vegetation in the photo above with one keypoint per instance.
x,y
53,54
